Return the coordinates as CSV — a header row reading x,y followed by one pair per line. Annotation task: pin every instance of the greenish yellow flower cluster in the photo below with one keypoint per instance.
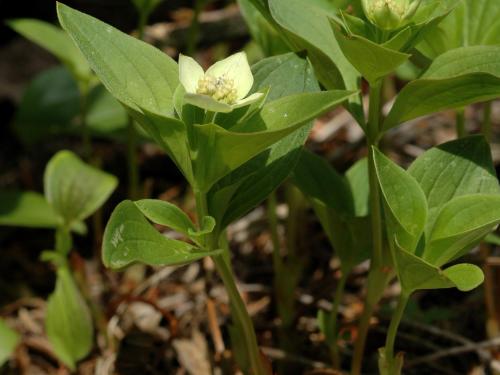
x,y
221,88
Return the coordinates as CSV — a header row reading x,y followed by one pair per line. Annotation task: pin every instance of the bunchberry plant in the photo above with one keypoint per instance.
x,y
348,43
73,191
216,135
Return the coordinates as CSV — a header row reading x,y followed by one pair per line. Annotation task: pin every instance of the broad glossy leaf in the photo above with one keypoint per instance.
x,y
461,224
27,209
136,73
425,96
130,238
8,342
68,321
305,25
455,168
75,189
473,22
372,60
217,151
405,203
464,60
358,179
55,41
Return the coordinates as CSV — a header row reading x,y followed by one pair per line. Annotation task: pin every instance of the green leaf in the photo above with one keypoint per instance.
x,y
358,179
425,96
473,22
55,41
27,209
136,73
465,276
249,184
216,151
465,60
406,206
51,106
415,273
75,189
48,105
493,239
461,224
129,238
8,342
166,214
460,167
68,322
372,60
332,200
306,27
261,30
318,181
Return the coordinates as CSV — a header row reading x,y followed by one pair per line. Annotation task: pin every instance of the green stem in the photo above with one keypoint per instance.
x,y
238,308
334,347
64,242
393,327
377,277
486,126
460,123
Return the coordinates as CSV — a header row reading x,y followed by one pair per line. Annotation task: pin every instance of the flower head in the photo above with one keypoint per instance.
x,y
389,14
223,87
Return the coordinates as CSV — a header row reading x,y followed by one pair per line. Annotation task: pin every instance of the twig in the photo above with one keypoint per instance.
x,y
488,344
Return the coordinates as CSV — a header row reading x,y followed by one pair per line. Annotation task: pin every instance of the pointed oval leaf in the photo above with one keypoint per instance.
x,y
8,341
425,96
406,206
27,209
136,73
459,167
56,41
217,151
249,184
372,60
166,214
130,238
471,23
68,321
461,224
465,276
75,189
464,60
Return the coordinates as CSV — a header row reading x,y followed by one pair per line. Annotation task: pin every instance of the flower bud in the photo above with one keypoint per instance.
x,y
389,14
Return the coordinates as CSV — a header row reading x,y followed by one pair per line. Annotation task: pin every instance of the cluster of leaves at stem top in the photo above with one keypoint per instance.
x,y
435,212
74,190
215,138
344,44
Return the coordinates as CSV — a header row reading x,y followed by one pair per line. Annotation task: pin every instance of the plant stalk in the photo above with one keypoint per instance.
x,y
133,170
377,277
393,327
238,308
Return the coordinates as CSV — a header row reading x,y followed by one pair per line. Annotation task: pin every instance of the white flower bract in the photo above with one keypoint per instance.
x,y
222,88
